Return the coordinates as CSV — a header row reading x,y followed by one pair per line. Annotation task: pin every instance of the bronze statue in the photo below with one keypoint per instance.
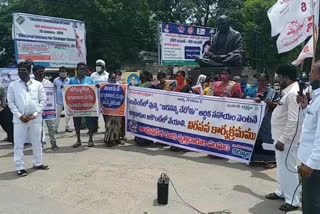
x,y
226,48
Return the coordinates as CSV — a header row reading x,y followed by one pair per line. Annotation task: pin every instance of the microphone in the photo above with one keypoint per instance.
x,y
302,86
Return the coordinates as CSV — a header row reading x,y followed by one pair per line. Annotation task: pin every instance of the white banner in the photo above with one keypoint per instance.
x,y
307,52
50,110
224,127
81,100
294,34
297,31
51,41
286,11
8,75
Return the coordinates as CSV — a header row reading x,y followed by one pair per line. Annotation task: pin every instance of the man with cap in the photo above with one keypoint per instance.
x,y
101,75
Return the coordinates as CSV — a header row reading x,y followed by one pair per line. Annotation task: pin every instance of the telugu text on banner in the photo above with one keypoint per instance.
x,y
113,99
50,110
218,126
81,101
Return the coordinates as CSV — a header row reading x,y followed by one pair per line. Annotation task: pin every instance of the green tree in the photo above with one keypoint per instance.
x,y
256,19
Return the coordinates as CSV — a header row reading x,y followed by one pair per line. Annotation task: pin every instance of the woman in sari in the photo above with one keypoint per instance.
x,y
146,82
226,87
113,124
182,87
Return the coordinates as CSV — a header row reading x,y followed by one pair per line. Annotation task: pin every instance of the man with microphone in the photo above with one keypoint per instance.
x,y
286,128
309,149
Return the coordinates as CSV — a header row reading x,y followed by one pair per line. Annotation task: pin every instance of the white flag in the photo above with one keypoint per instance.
x,y
297,31
307,52
286,11
294,34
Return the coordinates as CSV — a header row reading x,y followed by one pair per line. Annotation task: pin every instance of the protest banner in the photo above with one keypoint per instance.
x,y
81,100
181,44
8,75
224,127
49,41
113,99
50,110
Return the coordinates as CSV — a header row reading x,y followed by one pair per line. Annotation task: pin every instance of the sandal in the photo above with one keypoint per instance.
x,y
273,196
288,207
77,144
90,144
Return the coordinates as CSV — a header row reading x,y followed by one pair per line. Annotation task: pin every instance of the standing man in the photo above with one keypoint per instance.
x,y
26,100
38,72
101,75
309,150
59,82
82,79
284,122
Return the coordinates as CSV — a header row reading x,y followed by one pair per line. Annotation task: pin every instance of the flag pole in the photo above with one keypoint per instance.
x,y
315,33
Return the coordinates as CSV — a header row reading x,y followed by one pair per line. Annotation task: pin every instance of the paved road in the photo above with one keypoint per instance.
x,y
123,179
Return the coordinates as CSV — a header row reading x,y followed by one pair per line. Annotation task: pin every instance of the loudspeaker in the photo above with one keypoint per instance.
x,y
163,189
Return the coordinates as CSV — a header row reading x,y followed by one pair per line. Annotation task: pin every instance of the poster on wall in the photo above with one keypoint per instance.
x,y
131,78
181,44
49,41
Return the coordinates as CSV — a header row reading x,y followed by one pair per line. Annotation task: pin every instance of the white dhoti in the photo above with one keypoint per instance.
x,y
288,181
22,132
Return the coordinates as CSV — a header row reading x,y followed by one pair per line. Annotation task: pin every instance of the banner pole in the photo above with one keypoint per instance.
x,y
315,33
159,24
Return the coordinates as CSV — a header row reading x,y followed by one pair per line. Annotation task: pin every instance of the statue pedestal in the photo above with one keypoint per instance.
x,y
235,71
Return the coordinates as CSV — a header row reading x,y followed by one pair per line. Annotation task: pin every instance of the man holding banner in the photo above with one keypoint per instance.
x,y
59,82
82,79
101,75
38,72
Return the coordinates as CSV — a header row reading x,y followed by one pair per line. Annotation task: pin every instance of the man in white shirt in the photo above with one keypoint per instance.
x,y
26,100
59,82
286,129
309,150
101,75
38,72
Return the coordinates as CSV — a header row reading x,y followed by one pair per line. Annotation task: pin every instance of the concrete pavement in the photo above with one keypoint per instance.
x,y
123,179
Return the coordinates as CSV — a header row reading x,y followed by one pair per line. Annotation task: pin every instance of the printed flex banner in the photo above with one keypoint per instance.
x,y
224,127
81,100
113,99
49,41
181,44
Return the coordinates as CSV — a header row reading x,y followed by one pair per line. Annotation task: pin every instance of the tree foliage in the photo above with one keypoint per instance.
x,y
118,29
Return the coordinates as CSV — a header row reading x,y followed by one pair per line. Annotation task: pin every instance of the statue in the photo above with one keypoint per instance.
x,y
226,48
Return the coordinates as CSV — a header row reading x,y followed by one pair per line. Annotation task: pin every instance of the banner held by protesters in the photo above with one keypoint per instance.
x,y
81,100
113,99
50,110
185,121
